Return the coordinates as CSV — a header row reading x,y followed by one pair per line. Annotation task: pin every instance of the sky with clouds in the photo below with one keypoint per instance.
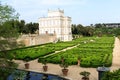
x,y
83,12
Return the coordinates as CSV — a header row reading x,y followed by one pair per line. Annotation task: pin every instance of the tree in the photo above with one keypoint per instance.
x,y
116,31
7,13
7,17
8,27
30,28
80,29
88,31
74,29
35,27
8,33
22,28
98,25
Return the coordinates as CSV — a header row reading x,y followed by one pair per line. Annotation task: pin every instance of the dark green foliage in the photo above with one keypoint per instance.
x,y
115,75
8,30
95,30
102,30
8,35
81,30
64,64
85,73
27,28
5,72
7,63
16,74
31,28
27,58
43,61
19,75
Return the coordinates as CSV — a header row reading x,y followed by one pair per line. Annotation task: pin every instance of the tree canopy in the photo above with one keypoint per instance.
x,y
7,13
8,30
81,30
95,30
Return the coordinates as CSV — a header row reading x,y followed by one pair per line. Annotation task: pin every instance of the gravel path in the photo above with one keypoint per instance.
x,y
74,70
62,50
116,55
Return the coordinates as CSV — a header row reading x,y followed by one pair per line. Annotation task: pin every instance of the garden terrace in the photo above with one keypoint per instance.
x,y
34,52
93,52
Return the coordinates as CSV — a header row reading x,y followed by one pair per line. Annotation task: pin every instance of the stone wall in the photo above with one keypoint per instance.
x,y
35,39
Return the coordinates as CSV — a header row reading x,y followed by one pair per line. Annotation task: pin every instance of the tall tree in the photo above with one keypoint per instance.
x,y
31,27
74,29
8,30
21,26
7,13
7,35
80,29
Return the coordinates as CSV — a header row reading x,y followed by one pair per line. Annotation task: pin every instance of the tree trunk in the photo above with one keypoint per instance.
x,y
78,63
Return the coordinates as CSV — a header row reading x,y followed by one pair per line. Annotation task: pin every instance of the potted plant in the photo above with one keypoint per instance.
x,y
85,75
26,62
44,62
64,70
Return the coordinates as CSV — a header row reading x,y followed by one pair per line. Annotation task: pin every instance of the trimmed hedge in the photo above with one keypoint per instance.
x,y
34,52
93,54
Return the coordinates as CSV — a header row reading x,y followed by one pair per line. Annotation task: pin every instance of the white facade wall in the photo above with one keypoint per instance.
x,y
57,23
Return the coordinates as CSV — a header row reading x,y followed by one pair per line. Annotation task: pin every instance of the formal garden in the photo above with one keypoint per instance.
x,y
92,52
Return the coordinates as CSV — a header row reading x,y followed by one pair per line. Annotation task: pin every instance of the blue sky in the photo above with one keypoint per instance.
x,y
83,12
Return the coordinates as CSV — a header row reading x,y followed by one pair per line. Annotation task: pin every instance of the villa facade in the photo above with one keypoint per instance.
x,y
56,23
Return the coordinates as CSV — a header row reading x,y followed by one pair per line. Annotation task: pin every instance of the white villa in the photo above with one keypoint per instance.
x,y
56,23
